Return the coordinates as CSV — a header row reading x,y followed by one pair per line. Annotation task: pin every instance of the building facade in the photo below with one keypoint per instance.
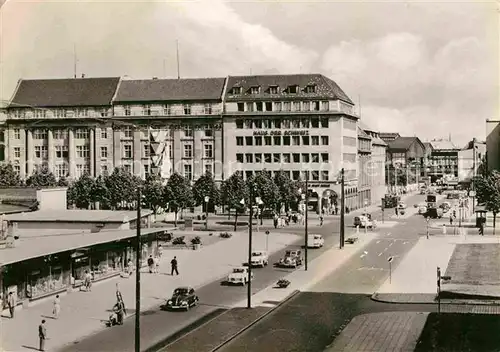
x,y
376,167
364,163
405,159
470,158
493,144
302,124
443,162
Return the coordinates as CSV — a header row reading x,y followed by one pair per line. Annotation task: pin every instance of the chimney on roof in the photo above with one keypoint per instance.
x,y
83,75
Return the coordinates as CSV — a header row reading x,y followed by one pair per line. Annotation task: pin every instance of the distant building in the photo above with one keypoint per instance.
x,y
389,136
493,144
470,157
405,157
443,161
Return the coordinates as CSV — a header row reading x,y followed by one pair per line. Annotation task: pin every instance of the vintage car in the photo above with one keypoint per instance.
x,y
315,241
259,259
422,208
364,220
292,259
239,276
182,298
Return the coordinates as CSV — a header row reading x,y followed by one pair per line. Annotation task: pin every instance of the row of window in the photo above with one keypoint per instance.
x,y
286,106
279,158
303,122
274,89
147,110
80,133
61,151
295,175
208,151
58,113
281,140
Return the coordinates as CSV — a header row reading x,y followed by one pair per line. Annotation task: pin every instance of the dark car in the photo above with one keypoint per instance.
x,y
182,298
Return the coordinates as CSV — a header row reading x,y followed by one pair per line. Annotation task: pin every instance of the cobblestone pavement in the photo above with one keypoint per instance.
x,y
388,332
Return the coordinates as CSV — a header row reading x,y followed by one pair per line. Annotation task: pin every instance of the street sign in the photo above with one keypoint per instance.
x,y
390,259
267,232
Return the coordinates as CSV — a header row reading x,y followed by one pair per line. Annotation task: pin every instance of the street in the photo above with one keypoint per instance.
x,y
157,325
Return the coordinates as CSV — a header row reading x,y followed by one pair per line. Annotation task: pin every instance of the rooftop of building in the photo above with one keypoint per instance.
x,y
389,135
90,216
363,134
66,92
324,87
472,143
402,143
443,144
160,90
50,243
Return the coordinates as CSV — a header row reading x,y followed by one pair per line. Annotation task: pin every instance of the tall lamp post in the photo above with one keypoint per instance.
x,y
259,202
342,209
138,274
305,198
206,199
250,235
366,213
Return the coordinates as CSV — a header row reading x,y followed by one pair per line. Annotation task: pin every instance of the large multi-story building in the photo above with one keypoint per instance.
x,y
443,161
493,144
303,124
375,167
470,158
405,159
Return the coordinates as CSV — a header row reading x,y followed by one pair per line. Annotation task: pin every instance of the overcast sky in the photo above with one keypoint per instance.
x,y
425,69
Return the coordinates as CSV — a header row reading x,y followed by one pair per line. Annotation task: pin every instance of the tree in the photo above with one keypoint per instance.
x,y
288,189
265,188
42,178
8,176
203,187
122,188
62,182
488,193
178,194
80,192
100,193
233,190
153,193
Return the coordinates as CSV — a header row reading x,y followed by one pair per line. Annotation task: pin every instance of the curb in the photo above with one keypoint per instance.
x,y
374,297
288,298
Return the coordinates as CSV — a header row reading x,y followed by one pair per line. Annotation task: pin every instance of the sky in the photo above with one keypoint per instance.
x,y
428,69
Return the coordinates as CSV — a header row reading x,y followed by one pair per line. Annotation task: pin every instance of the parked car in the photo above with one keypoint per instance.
x,y
315,241
182,298
259,258
239,276
422,208
434,213
363,221
291,259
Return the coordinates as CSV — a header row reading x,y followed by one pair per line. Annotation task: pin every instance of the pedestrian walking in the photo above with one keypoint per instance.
x,y
130,267
275,220
151,264
173,264
451,220
42,335
88,281
396,211
11,302
321,219
481,228
160,250
119,310
157,265
57,307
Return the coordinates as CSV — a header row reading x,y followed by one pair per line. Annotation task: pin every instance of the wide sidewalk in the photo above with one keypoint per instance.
x,y
414,279
84,313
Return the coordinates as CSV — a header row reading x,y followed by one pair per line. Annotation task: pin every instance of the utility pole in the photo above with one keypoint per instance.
x,y
306,240
250,234
138,275
342,208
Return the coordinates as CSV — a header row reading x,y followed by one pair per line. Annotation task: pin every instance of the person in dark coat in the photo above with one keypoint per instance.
x,y
173,264
11,302
42,335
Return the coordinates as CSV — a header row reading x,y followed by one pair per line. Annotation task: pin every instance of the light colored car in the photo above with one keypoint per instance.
x,y
363,221
259,258
292,259
315,241
239,276
422,208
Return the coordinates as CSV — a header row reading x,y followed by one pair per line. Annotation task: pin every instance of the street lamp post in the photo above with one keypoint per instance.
x,y
250,235
259,202
207,198
366,214
342,209
138,275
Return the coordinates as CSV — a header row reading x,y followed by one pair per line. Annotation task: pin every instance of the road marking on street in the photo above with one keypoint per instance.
x,y
386,249
390,244
380,254
378,242
388,234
